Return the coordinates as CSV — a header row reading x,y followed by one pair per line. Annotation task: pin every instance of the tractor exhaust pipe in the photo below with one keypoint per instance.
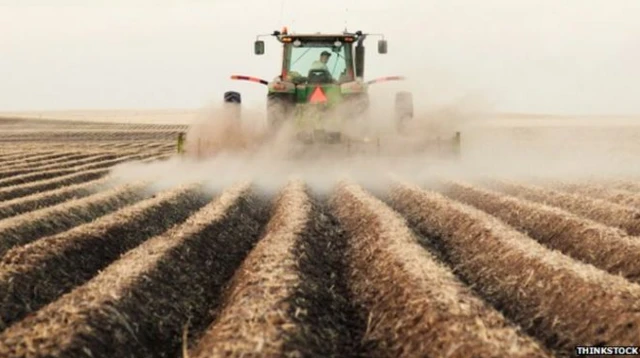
x,y
359,61
360,55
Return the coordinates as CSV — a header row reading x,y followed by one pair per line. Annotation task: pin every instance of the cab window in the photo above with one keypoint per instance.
x,y
304,55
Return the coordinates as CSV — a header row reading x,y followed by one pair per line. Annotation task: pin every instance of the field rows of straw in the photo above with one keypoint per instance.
x,y
96,266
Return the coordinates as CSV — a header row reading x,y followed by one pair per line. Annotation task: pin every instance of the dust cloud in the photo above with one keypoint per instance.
x,y
226,145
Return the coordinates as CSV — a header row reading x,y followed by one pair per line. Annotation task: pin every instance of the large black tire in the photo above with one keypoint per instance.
x,y
279,110
232,104
357,106
232,97
403,109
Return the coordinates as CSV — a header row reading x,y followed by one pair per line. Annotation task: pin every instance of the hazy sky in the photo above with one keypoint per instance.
x,y
558,56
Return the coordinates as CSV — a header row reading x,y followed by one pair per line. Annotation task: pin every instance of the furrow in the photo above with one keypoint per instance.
x,y
45,199
274,307
602,246
28,227
598,210
527,281
21,190
39,158
53,173
38,273
26,189
415,306
618,196
19,154
77,160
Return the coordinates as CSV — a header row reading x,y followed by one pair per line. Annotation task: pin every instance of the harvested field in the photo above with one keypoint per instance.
x,y
44,199
424,307
602,246
601,191
29,188
599,210
63,162
42,174
55,264
28,227
98,264
35,159
274,306
526,281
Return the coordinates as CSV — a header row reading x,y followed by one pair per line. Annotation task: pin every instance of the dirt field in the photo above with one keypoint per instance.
x,y
106,251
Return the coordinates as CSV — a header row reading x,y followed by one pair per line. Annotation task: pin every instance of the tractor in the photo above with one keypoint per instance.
x,y
321,92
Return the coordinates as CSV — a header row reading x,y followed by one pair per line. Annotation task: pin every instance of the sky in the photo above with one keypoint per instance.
x,y
535,56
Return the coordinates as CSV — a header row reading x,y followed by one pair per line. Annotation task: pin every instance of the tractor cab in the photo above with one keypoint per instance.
x,y
321,58
321,81
316,59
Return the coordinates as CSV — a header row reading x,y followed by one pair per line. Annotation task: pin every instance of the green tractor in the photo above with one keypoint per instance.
x,y
321,90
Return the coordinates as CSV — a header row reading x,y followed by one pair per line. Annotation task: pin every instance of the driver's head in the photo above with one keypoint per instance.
x,y
324,56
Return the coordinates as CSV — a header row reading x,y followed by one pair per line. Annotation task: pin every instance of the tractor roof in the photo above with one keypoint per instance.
x,y
321,35
287,37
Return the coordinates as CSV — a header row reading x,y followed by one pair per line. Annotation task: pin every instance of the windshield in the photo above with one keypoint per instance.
x,y
307,56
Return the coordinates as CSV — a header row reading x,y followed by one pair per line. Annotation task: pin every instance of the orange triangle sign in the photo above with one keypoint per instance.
x,y
317,96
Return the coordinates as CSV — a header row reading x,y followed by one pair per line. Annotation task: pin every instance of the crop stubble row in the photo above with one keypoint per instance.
x,y
602,211
34,175
20,190
37,273
25,228
388,272
52,197
602,246
84,136
63,163
17,164
32,159
288,298
72,149
600,191
139,305
526,281
416,306
9,155
70,156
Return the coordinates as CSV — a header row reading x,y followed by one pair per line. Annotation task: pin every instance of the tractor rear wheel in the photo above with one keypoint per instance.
x,y
403,109
232,97
279,110
232,104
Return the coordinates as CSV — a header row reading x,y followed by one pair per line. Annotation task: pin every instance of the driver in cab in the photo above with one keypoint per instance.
x,y
321,64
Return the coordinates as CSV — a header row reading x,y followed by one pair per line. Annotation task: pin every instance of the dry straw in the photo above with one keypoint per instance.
x,y
25,228
255,320
416,306
600,191
45,199
74,160
150,293
29,159
560,300
598,210
37,273
602,246
20,190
